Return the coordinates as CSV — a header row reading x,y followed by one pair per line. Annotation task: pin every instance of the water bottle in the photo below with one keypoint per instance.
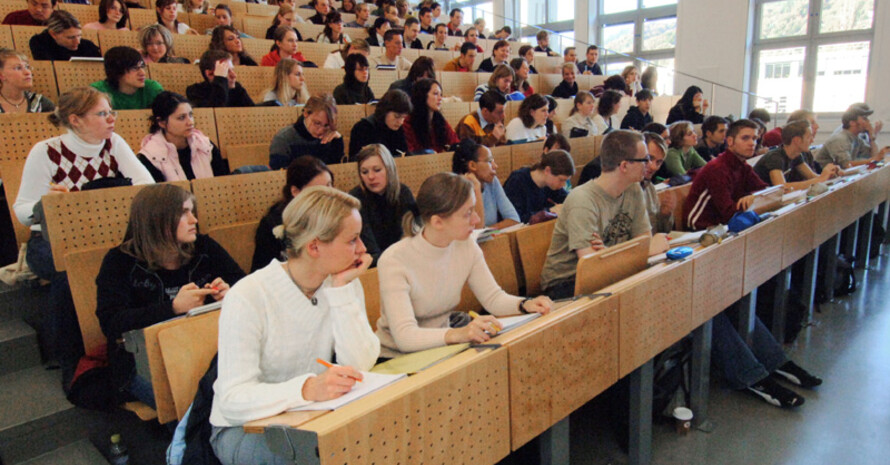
x,y
118,451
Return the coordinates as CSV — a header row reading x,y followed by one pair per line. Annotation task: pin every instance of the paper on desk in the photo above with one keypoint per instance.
x,y
510,229
418,361
205,308
794,197
370,383
662,186
678,238
511,322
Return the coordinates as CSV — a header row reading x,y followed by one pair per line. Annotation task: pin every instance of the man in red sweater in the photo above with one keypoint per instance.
x,y
37,14
724,186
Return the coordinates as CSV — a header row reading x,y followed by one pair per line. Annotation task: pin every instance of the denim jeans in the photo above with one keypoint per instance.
x,y
744,365
233,446
59,320
142,390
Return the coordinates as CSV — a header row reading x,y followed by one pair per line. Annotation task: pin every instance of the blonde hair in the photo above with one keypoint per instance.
x,y
281,83
146,34
315,213
7,53
393,186
500,72
77,101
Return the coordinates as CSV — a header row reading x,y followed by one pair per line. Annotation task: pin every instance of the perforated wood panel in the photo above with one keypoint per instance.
x,y
255,26
258,46
45,79
309,30
379,81
608,266
89,219
454,83
187,349
140,18
261,10
345,175
533,242
238,8
201,23
84,13
256,80
548,82
526,154
231,200
248,154
21,36
717,277
580,361
661,106
414,170
322,80
133,126
109,39
71,74
83,267
190,46
763,252
799,234
239,240
317,53
653,314
585,149
175,77
371,286
251,125
441,417
6,33
347,116
454,111
440,58
499,257
503,157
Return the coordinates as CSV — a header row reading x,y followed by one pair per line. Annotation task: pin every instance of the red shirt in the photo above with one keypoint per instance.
x,y
773,137
272,58
716,189
414,144
22,18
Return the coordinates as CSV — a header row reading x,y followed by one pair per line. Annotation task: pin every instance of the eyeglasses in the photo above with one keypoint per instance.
x,y
106,114
639,160
139,67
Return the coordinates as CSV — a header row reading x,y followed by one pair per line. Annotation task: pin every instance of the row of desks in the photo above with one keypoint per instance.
x,y
482,404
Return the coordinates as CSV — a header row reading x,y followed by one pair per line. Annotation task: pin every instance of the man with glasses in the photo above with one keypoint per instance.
x,y
853,143
125,80
602,213
37,14
661,211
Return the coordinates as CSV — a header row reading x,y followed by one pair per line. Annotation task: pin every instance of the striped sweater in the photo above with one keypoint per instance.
x,y
716,189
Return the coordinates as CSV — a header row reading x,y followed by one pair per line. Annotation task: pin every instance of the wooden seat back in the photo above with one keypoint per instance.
x,y
610,265
239,240
533,243
371,287
187,349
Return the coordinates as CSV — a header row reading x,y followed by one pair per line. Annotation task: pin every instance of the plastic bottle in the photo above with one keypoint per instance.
x,y
118,451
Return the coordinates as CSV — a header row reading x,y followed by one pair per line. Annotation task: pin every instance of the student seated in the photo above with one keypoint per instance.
x,y
590,65
426,128
463,63
520,82
362,14
791,164
278,320
423,68
392,52
348,6
457,17
166,11
570,56
37,13
539,188
411,32
601,213
631,77
638,116
579,123
384,126
337,58
62,40
228,39
163,268
649,80
125,80
384,199
174,150
333,30
425,15
16,82
422,276
113,16
691,107
284,17
485,125
853,143
58,165
439,36
286,43
773,137
661,210
314,133
223,15
198,7
304,172
157,45
568,88
500,55
500,81
377,31
322,9
477,164
288,84
681,155
724,187
713,140
606,108
530,124
220,87
354,90
528,52
543,39
471,35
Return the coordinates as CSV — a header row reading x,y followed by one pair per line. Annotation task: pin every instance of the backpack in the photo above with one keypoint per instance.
x,y
844,280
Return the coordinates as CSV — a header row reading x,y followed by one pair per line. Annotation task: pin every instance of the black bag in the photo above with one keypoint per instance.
x,y
844,280
877,238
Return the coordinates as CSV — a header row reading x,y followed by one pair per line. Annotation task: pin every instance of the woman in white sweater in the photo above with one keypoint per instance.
x,y
579,123
278,320
421,277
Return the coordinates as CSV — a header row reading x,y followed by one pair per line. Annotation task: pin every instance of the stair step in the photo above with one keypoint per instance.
x,y
22,301
30,394
78,453
18,344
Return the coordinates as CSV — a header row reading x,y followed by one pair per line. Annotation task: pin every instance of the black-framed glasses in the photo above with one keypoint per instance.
x,y
639,160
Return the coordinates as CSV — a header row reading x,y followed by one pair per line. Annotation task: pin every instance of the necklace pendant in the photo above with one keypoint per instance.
x,y
314,301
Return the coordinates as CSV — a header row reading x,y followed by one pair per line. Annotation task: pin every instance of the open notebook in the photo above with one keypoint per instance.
x,y
370,383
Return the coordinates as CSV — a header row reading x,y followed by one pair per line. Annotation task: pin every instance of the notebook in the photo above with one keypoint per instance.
x,y
371,382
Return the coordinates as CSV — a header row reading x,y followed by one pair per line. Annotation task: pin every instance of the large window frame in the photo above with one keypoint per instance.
x,y
810,41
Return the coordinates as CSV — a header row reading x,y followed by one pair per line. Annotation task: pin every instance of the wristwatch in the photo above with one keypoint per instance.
x,y
521,305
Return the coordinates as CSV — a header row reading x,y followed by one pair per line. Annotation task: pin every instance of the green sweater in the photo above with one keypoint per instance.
x,y
678,162
141,100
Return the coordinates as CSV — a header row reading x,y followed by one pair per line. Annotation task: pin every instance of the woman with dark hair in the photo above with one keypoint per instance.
x,y
286,42
333,30
348,6
284,17
384,126
223,15
113,16
355,89
425,273
426,128
16,82
476,163
157,45
552,105
174,150
539,188
691,107
61,40
531,124
162,269
528,52
125,80
166,11
522,69
377,30
422,68
649,79
384,199
606,109
302,173
228,39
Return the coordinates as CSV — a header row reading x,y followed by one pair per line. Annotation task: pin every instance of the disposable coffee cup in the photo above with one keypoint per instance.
x,y
683,419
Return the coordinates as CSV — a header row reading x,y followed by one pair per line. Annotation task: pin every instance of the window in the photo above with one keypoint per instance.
x,y
811,53
553,15
473,9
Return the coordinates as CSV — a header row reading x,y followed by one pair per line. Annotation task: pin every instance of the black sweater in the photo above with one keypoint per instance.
x,y
295,141
368,131
130,296
564,90
527,197
382,221
679,112
268,246
635,119
216,93
218,164
354,94
44,47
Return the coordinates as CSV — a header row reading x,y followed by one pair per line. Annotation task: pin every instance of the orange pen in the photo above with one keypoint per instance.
x,y
331,365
